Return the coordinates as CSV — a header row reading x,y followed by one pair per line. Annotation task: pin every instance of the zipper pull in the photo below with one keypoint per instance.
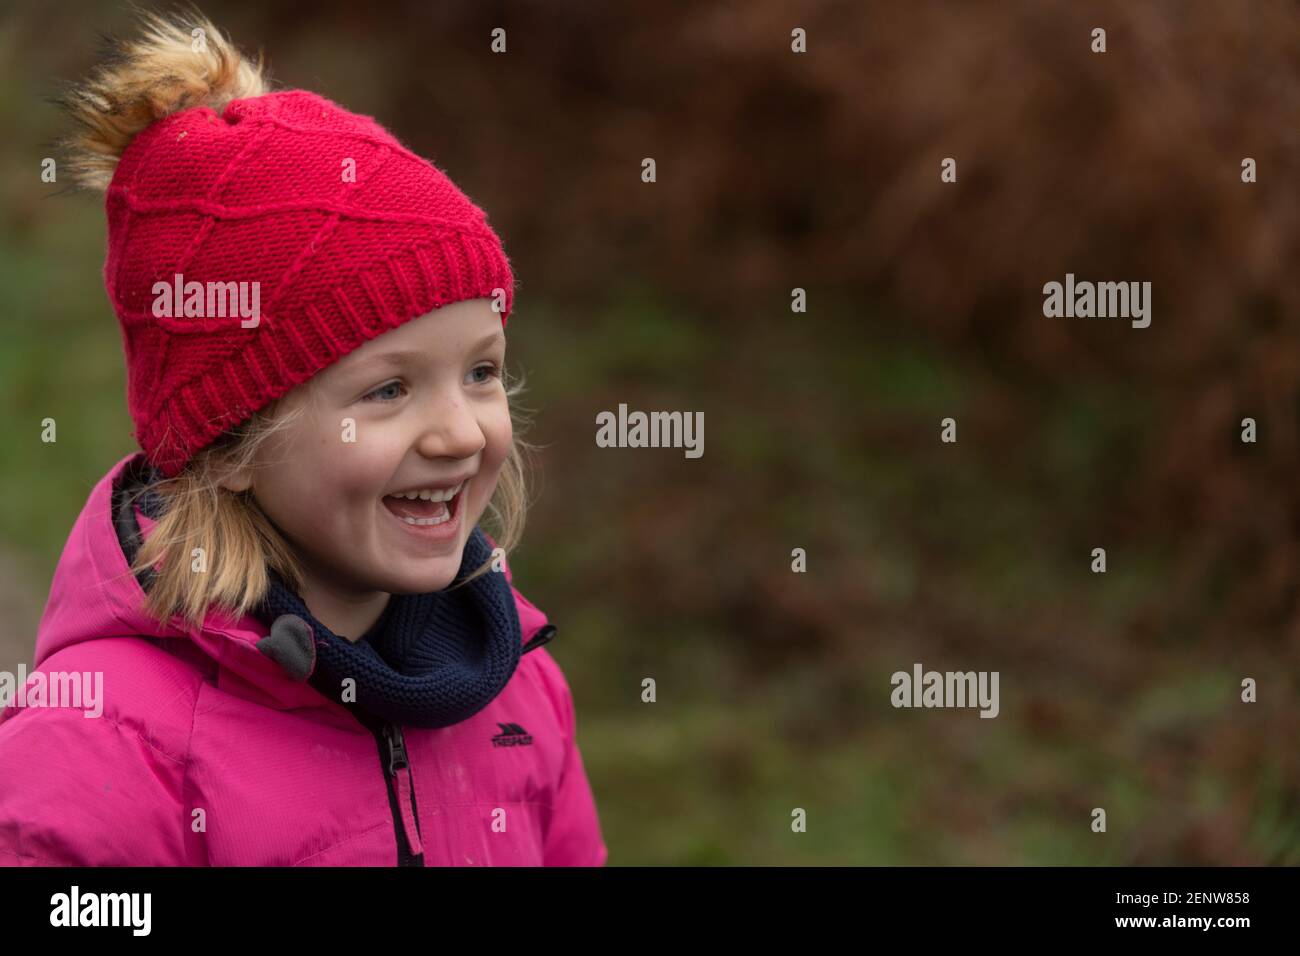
x,y
544,634
396,749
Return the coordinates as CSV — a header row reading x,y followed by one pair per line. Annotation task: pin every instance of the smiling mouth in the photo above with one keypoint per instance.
x,y
417,511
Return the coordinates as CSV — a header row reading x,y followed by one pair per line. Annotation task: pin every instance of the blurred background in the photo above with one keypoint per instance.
x,y
924,300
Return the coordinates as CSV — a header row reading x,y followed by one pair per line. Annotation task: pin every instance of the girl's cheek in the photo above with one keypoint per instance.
x,y
502,432
499,434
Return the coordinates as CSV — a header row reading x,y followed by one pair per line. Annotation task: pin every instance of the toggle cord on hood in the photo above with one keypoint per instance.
x,y
431,660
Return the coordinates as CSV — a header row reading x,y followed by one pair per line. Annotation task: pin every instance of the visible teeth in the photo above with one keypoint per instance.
x,y
446,517
431,494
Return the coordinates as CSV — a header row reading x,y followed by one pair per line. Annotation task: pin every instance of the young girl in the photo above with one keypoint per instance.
x,y
310,653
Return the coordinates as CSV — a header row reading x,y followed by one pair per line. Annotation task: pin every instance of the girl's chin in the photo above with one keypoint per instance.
x,y
434,580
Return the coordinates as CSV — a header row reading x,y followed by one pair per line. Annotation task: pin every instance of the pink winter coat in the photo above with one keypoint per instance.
x,y
208,753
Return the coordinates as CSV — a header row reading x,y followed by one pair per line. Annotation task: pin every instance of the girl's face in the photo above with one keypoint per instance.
x,y
422,406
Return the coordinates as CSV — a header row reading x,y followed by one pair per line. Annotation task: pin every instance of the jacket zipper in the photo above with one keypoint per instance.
x,y
401,785
401,794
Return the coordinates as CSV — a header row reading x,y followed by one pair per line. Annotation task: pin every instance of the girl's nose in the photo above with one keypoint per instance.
x,y
450,430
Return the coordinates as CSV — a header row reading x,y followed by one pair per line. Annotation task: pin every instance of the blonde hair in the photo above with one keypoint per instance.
x,y
241,544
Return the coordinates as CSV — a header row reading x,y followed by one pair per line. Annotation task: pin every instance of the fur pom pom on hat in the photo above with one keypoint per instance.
x,y
222,195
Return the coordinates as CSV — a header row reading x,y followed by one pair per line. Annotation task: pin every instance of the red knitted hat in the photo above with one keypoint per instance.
x,y
346,232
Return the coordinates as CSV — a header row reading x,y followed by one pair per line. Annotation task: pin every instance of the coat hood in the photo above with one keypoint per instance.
x,y
94,595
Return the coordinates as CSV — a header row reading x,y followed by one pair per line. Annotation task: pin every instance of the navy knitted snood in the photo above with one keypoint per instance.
x,y
431,660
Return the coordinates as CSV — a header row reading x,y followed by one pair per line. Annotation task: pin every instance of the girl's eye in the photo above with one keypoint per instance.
x,y
391,391
384,389
492,372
